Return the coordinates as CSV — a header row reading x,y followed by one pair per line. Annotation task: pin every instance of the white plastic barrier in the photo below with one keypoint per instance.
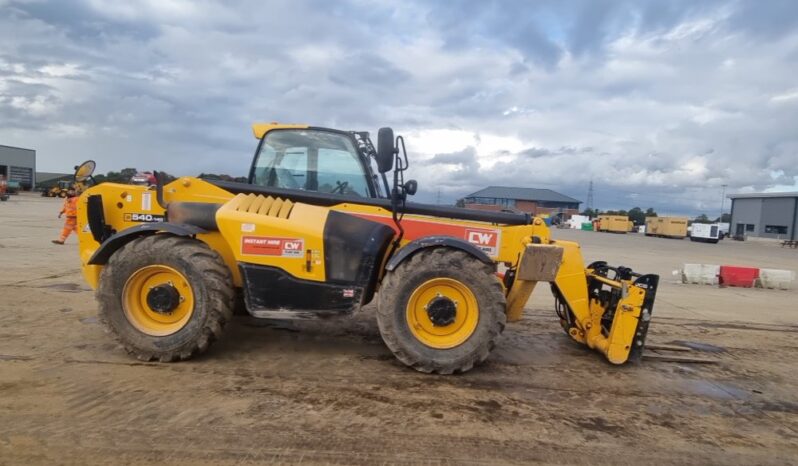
x,y
775,278
700,274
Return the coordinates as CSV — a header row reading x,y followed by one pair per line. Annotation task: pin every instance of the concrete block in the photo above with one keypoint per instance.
x,y
775,278
700,274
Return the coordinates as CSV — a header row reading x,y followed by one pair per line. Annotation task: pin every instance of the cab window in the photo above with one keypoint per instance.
x,y
310,160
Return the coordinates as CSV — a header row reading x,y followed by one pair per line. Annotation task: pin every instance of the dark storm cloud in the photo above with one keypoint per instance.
x,y
367,69
465,158
469,23
80,22
770,19
660,103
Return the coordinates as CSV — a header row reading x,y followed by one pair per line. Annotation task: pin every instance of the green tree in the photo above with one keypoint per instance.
x,y
725,218
127,173
637,215
590,212
113,177
650,212
702,219
223,177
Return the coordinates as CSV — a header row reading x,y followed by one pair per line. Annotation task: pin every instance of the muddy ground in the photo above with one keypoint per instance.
x,y
331,392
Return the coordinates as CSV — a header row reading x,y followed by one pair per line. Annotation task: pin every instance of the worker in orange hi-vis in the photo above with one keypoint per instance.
x,y
70,209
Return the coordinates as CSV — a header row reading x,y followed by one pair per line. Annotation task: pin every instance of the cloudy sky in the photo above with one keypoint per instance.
x,y
658,102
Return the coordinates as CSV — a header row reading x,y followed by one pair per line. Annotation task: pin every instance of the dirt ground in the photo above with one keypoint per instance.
x,y
330,392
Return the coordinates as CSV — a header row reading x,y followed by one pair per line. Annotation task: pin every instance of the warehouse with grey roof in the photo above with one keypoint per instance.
x,y
18,165
538,202
764,215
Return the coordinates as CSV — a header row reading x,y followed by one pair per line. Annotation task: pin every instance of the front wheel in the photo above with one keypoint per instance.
x,y
165,297
442,311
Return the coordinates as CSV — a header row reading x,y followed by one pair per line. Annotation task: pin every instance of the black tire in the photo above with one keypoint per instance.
x,y
211,285
397,288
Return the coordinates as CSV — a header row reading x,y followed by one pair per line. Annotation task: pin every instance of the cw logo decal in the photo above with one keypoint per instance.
x,y
486,240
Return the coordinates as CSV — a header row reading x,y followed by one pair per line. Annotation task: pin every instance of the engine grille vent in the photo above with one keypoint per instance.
x,y
259,204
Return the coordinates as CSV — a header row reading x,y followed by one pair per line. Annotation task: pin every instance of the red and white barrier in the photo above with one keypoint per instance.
x,y
700,274
742,277
775,278
737,276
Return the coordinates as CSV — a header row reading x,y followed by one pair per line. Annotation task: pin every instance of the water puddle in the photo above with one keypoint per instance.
x,y
698,346
11,357
716,390
66,287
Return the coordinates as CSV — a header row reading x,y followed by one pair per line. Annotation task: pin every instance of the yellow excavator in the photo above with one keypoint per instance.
x,y
323,227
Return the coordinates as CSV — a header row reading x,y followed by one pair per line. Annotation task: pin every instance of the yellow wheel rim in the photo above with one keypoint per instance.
x,y
435,330
157,321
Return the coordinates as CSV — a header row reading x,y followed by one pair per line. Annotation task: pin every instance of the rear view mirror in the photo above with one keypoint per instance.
x,y
386,150
411,187
84,171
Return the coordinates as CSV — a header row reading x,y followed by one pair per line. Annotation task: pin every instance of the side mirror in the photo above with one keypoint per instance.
x,y
386,150
84,171
411,187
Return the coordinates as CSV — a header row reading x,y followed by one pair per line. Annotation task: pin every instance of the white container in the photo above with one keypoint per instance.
x,y
775,278
576,221
700,274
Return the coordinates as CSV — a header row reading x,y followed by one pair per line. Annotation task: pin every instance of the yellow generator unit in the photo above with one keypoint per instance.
x,y
614,223
667,227
323,227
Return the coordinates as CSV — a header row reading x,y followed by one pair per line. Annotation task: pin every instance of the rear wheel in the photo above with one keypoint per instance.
x,y
165,297
441,311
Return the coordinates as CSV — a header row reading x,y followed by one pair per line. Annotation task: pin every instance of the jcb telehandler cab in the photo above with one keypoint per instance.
x,y
321,228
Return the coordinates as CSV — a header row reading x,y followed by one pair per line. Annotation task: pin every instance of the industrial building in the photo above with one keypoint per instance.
x,y
18,164
764,215
540,202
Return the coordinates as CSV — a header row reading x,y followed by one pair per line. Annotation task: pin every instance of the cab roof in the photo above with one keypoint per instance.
x,y
260,129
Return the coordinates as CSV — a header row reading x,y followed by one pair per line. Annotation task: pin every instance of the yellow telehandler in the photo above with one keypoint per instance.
x,y
323,226
59,189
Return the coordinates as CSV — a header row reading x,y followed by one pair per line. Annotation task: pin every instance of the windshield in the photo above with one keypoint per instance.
x,y
310,160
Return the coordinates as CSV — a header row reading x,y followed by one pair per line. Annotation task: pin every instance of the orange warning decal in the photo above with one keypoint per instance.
x,y
486,239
